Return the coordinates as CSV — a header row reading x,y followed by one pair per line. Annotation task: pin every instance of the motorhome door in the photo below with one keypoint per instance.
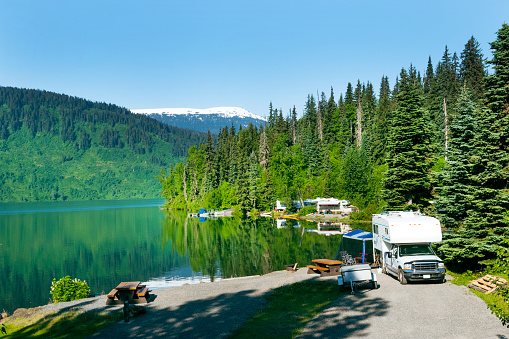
x,y
392,261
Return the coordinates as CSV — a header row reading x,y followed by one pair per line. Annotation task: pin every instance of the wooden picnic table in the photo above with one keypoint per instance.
x,y
327,262
131,292
325,267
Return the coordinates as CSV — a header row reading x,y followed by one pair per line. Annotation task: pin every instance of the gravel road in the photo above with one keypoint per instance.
x,y
214,310
415,310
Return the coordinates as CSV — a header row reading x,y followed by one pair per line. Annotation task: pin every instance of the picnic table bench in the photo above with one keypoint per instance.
x,y
325,267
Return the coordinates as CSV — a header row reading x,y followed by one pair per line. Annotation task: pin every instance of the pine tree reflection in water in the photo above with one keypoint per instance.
x,y
235,247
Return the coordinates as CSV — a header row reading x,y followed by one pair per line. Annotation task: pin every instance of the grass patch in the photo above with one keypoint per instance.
x,y
71,324
492,300
289,309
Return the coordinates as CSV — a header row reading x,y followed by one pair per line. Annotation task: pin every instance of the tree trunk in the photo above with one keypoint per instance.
x,y
185,183
358,132
446,129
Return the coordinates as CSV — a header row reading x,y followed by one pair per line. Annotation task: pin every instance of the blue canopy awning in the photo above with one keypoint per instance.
x,y
359,235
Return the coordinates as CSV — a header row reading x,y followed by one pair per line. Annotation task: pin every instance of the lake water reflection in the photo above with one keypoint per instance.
x,y
108,242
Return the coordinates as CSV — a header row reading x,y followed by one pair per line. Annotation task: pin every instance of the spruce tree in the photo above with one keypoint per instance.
x,y
443,97
430,77
493,165
486,225
407,183
329,116
381,122
458,187
472,67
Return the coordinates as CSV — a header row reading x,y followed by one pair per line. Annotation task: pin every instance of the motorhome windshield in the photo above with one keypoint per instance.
x,y
420,249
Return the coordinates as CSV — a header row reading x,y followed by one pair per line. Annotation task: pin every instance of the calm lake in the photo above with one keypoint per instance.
x,y
106,242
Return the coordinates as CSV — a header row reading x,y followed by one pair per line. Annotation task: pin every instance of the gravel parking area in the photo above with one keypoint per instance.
x,y
214,310
416,310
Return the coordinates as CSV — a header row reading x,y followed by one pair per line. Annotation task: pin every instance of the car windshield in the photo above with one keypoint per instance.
x,y
422,249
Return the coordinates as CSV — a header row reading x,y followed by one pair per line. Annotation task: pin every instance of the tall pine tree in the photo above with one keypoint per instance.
x,y
407,183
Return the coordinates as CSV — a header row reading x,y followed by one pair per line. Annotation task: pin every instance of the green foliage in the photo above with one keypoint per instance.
x,y
464,250
56,147
472,68
306,210
439,139
407,182
457,178
366,213
356,177
502,266
67,289
475,195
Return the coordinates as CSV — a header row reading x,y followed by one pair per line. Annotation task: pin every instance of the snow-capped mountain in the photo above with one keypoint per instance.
x,y
202,120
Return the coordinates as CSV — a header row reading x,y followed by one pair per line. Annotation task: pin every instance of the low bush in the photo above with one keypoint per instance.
x,y
307,210
67,289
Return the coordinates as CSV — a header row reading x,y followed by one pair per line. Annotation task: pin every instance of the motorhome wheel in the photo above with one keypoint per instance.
x,y
401,277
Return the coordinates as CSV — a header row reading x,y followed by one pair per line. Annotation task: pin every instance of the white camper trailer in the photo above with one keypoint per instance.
x,y
402,240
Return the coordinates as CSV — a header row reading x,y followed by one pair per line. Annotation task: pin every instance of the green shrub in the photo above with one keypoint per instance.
x,y
307,210
501,266
67,289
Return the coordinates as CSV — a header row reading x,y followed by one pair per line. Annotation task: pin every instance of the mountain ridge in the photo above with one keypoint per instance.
x,y
203,120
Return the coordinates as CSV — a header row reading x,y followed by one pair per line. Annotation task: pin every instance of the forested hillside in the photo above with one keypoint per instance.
x,y
57,147
435,142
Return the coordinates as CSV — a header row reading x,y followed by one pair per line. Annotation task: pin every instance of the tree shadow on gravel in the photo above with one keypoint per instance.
x,y
349,316
205,318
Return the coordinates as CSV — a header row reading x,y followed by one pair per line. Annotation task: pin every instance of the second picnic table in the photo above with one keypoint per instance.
x,y
325,267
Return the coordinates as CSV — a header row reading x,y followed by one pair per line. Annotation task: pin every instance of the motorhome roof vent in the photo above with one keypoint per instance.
x,y
407,214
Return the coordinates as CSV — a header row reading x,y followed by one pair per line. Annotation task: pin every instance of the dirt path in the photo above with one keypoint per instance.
x,y
407,311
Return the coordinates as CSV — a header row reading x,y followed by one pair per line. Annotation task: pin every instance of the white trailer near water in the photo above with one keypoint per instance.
x,y
402,240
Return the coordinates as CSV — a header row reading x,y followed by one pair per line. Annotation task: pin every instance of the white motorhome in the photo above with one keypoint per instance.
x,y
402,240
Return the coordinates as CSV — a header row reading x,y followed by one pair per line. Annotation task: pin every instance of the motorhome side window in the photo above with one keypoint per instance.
x,y
375,228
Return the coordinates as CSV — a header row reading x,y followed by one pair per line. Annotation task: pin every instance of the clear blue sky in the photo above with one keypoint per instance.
x,y
200,54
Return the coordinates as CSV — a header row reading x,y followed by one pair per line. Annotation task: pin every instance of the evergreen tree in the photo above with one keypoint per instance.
x,y
444,96
486,225
497,89
472,67
381,122
407,183
294,125
356,173
429,80
493,144
458,188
